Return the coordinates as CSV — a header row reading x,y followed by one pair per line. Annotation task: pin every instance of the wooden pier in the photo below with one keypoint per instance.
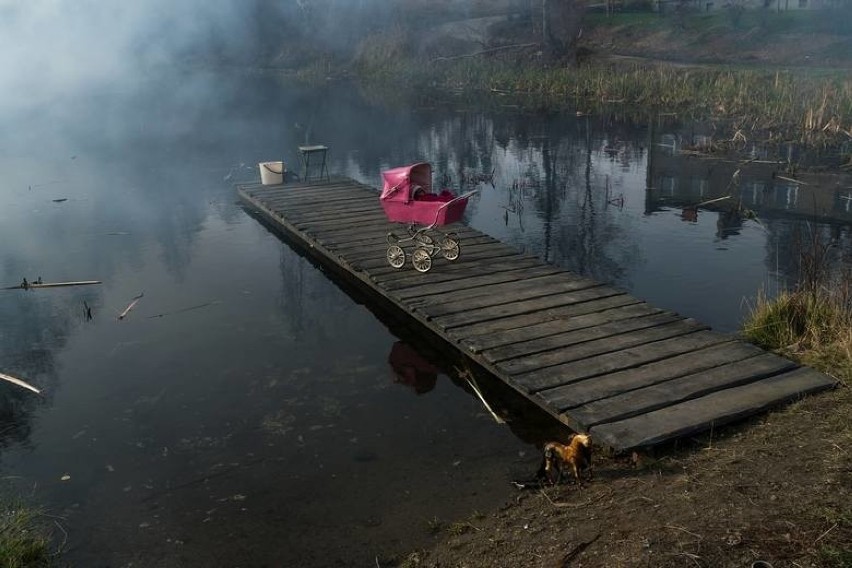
x,y
596,358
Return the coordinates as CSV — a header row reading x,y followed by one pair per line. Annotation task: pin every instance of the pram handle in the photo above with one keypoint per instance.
x,y
459,198
450,202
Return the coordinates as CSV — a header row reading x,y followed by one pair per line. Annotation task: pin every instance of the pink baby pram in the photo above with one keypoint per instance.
x,y
407,197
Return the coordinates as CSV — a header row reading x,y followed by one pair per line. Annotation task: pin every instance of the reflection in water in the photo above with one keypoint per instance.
x,y
209,429
411,369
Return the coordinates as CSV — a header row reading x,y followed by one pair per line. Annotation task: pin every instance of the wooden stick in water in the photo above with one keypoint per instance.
x,y
130,306
476,391
52,284
19,382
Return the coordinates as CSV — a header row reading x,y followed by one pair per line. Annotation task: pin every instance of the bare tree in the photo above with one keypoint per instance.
x,y
561,26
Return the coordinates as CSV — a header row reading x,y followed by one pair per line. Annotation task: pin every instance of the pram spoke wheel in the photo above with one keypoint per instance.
x,y
396,256
450,248
424,240
421,259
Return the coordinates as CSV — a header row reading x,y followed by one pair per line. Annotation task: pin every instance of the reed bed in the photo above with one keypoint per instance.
x,y
809,108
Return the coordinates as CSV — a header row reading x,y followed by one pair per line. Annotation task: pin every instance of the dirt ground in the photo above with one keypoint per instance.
x,y
776,489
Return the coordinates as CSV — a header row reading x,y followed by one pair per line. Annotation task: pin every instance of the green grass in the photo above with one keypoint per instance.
x,y
23,544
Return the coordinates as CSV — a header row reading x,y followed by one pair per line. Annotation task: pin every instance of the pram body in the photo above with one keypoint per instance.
x,y
407,197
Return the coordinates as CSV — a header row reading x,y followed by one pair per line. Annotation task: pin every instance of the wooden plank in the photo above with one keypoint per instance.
x,y
473,283
519,308
330,228
600,387
539,329
404,279
338,227
305,212
466,235
715,409
666,393
471,245
356,240
489,250
502,294
447,266
337,196
612,343
373,226
552,344
616,361
589,306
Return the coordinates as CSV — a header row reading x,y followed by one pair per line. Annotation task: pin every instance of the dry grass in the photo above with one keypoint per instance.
x,y
809,108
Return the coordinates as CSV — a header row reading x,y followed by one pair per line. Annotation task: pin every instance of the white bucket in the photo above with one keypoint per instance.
x,y
271,173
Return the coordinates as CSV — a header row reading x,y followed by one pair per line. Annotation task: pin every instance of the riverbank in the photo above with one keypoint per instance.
x,y
761,77
777,489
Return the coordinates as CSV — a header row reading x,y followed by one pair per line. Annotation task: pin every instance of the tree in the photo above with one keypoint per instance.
x,y
561,26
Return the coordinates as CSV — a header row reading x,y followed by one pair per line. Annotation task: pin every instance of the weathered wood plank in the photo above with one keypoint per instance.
x,y
717,408
471,245
600,387
519,308
488,250
504,255
470,284
575,371
545,328
671,327
304,212
550,345
295,202
502,294
334,230
455,271
375,256
666,393
565,312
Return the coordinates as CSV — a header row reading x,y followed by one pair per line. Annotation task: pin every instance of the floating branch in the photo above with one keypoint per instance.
x,y
130,306
27,285
199,306
19,382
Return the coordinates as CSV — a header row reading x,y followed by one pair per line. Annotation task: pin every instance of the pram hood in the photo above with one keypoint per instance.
x,y
399,183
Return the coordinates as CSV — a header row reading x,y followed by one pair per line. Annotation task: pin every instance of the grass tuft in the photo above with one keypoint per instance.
x,y
22,542
813,322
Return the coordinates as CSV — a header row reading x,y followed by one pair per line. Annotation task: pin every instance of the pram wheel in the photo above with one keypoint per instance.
x,y
396,256
421,259
450,248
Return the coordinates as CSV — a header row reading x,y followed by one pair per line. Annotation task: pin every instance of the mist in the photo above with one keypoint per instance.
x,y
53,50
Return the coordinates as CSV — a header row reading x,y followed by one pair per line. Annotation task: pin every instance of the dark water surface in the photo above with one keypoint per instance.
x,y
245,412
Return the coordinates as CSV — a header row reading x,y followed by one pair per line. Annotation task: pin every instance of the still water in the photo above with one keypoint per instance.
x,y
250,410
